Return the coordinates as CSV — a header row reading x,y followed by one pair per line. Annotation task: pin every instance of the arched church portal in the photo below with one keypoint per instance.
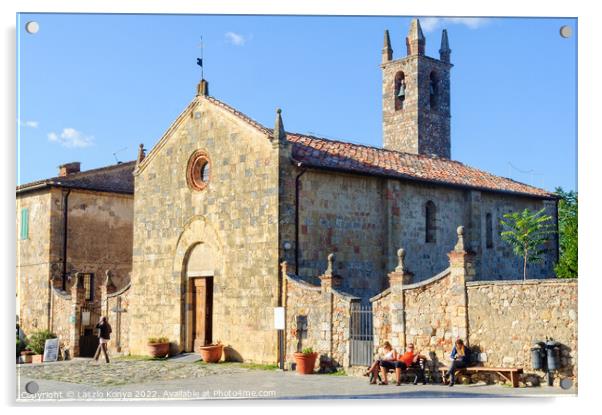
x,y
197,261
200,270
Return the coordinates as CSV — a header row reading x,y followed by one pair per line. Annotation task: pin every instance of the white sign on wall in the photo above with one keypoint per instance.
x,y
85,318
279,318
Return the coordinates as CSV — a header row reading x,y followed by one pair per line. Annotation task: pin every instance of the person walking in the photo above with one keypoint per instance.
x,y
104,335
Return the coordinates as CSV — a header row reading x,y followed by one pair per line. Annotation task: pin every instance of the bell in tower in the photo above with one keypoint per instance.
x,y
416,116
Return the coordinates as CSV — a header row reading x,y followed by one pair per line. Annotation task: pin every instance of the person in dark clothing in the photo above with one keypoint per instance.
x,y
104,334
459,356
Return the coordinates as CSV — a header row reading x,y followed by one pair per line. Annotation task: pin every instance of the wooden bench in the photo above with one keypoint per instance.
x,y
511,374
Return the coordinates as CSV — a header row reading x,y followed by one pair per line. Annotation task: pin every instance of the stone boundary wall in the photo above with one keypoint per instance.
x,y
317,316
62,309
501,320
506,318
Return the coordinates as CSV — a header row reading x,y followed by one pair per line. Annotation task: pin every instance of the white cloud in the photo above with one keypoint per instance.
x,y
71,138
429,24
235,39
30,124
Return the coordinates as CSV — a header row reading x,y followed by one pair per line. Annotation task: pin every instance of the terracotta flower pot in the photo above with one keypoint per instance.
x,y
211,353
26,356
305,362
37,358
158,349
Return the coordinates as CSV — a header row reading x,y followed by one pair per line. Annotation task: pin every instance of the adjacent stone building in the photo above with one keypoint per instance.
x,y
220,201
74,239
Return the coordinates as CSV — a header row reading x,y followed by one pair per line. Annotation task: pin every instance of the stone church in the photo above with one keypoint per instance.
x,y
220,201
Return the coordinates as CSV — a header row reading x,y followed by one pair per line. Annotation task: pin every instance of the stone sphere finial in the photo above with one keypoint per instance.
x,y
279,111
401,254
460,244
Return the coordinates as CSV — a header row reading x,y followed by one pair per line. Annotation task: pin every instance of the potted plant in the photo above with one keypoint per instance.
x,y
23,351
36,344
306,361
158,346
211,353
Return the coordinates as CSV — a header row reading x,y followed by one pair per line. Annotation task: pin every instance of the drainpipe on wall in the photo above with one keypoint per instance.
x,y
65,232
297,202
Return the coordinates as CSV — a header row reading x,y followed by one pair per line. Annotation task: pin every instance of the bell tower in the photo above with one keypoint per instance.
x,y
416,112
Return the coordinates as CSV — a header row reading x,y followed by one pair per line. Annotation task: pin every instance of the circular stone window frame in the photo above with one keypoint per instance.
x,y
196,162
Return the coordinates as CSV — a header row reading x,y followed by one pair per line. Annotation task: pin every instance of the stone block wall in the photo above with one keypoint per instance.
x,y
62,310
343,214
318,316
506,318
500,319
381,318
432,308
365,219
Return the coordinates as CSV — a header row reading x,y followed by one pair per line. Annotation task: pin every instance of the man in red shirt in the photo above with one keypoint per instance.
x,y
409,358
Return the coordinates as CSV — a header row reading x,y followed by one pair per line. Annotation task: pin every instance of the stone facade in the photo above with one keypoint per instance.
x,y
363,219
233,222
99,238
33,262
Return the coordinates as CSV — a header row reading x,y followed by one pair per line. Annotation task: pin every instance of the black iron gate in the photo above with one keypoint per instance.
x,y
362,338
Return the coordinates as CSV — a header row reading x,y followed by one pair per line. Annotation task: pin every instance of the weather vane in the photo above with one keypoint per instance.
x,y
199,61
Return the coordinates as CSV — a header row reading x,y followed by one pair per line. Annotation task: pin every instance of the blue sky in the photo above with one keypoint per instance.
x,y
94,85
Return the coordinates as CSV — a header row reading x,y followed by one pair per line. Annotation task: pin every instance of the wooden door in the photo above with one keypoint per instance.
x,y
202,299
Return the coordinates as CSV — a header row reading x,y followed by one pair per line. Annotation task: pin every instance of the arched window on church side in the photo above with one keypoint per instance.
x,y
489,230
400,90
433,90
431,222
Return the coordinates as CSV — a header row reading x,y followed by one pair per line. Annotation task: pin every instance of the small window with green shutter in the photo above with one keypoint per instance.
x,y
24,223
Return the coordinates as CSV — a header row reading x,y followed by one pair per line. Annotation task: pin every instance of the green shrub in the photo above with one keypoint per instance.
x,y
38,339
307,350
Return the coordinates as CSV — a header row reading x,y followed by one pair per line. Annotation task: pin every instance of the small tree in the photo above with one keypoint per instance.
x,y
567,234
527,232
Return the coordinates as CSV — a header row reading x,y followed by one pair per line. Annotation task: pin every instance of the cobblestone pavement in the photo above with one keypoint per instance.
x,y
165,380
122,372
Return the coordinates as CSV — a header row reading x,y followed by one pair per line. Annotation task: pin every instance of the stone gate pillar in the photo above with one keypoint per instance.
x,y
326,280
78,295
462,270
397,279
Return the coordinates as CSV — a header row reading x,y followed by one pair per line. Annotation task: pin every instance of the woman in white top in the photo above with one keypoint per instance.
x,y
389,361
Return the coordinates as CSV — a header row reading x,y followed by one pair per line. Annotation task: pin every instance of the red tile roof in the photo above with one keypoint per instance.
x,y
337,155
356,158
116,178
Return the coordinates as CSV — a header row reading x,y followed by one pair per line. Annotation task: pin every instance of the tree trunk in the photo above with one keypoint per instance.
x,y
525,266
